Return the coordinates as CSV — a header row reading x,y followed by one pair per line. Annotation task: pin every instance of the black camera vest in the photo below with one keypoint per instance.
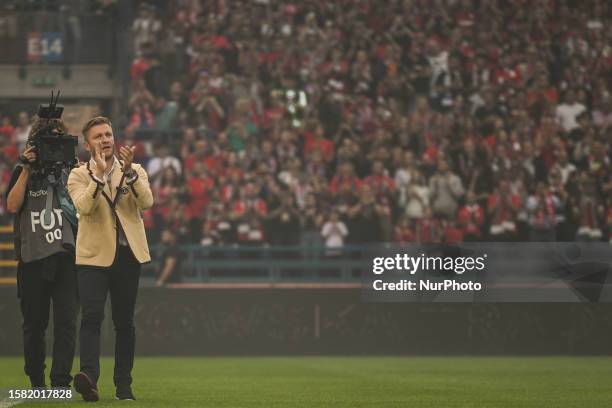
x,y
42,227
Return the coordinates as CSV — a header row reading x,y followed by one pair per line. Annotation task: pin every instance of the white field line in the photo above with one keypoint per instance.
x,y
7,404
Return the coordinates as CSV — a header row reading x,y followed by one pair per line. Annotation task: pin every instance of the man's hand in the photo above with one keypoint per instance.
x,y
30,156
98,156
126,154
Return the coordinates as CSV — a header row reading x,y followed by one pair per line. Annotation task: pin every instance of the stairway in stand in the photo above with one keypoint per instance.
x,y
8,264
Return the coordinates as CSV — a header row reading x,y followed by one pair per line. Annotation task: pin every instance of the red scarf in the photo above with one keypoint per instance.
x,y
547,210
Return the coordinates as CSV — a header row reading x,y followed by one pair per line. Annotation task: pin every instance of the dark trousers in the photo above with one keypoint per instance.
x,y
121,281
51,279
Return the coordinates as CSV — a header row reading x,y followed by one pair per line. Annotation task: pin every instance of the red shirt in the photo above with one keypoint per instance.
x,y
227,192
511,75
147,218
11,152
162,200
429,230
325,146
339,183
7,131
404,235
220,42
273,115
504,213
380,183
550,95
211,162
453,235
241,206
229,172
471,218
430,153
199,189
138,68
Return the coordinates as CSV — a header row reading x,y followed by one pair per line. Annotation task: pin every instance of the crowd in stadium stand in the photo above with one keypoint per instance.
x,y
355,121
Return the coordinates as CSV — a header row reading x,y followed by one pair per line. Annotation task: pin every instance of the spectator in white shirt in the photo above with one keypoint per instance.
x,y
567,113
417,197
403,176
162,160
334,231
22,131
146,28
446,190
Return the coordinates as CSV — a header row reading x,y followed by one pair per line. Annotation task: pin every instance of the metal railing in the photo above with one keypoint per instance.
x,y
265,263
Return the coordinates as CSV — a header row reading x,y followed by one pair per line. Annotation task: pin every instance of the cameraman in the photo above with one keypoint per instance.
x,y
44,247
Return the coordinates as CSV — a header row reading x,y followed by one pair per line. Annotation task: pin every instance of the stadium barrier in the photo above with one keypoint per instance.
x,y
264,263
252,320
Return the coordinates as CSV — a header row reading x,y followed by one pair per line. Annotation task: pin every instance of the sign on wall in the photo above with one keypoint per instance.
x,y
45,46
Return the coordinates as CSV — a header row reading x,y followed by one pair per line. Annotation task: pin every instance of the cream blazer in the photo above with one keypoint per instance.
x,y
97,234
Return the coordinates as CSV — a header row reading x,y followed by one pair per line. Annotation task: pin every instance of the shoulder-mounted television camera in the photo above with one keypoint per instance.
x,y
53,146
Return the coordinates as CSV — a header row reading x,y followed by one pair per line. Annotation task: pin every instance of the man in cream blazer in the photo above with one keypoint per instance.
x,y
109,194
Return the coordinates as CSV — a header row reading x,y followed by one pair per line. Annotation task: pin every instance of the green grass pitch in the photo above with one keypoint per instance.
x,y
352,382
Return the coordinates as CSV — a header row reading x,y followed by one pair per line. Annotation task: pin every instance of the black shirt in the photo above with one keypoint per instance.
x,y
176,275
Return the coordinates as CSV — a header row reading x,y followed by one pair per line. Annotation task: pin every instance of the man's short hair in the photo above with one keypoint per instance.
x,y
98,120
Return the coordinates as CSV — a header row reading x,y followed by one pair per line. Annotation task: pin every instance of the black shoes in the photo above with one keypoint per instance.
x,y
38,382
86,387
88,390
125,394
